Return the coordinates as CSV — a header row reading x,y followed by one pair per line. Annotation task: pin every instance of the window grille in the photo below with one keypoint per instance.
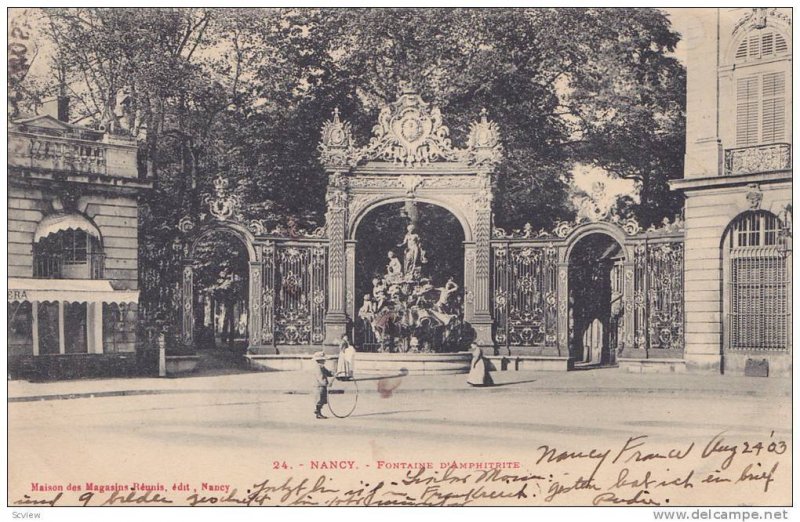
x,y
758,284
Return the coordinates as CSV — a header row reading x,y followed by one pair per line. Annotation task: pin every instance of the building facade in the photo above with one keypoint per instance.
x,y
738,188
72,250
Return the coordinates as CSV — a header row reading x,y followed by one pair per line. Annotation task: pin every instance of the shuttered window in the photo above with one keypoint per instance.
x,y
746,111
761,109
773,107
761,44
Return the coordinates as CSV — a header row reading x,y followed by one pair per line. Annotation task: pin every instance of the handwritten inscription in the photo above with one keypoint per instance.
x,y
636,473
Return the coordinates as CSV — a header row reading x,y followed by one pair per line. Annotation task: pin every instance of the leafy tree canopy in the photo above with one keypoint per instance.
x,y
243,93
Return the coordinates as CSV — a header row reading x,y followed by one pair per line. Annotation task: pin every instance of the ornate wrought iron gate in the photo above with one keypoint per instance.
x,y
525,294
294,296
647,308
658,297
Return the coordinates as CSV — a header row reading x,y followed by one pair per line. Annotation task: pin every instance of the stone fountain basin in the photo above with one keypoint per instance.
x,y
379,363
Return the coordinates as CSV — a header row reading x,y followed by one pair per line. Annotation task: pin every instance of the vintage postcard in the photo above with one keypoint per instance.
x,y
400,257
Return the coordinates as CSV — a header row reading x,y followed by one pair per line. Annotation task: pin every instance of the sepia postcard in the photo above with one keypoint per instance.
x,y
400,257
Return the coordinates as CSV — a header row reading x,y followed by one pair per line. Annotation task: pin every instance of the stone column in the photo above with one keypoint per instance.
x,y
482,318
336,222
254,312
187,303
469,282
351,299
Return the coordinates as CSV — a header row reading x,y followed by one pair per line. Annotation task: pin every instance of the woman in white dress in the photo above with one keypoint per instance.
x,y
479,373
347,358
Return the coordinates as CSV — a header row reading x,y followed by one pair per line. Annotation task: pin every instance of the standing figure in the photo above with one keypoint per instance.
x,y
321,375
479,373
415,255
347,358
394,271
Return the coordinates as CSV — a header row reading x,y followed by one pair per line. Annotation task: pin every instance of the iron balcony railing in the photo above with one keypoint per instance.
x,y
53,266
758,159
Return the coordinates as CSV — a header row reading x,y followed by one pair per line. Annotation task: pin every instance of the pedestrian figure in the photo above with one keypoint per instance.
x,y
479,373
346,362
321,375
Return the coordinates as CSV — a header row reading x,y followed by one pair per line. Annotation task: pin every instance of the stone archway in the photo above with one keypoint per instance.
x,y
595,286
245,237
380,231
409,158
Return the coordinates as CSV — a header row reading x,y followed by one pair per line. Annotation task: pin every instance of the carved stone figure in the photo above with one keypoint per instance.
x,y
414,255
442,304
394,271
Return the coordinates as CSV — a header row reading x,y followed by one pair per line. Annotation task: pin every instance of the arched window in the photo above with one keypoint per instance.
x,y
67,246
758,44
757,285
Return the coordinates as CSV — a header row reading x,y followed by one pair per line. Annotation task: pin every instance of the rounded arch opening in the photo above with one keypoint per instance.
x,y
596,288
220,263
408,277
757,283
356,220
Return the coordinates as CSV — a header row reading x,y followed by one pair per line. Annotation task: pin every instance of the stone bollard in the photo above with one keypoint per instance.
x,y
162,355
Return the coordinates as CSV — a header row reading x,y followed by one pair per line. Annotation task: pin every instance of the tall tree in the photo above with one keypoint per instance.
x,y
243,93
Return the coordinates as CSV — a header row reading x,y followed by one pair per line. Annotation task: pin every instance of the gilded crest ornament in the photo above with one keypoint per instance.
x,y
336,148
484,147
222,204
410,132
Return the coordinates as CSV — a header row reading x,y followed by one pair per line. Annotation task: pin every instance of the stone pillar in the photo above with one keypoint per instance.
x,y
482,318
563,309
187,304
336,219
469,282
254,312
703,156
353,301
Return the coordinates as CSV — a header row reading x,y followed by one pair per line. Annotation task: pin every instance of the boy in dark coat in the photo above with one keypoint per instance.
x,y
321,375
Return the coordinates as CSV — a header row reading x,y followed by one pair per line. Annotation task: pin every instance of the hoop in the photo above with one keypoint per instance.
x,y
346,393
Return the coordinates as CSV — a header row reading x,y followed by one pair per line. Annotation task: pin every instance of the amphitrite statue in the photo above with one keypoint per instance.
x,y
415,255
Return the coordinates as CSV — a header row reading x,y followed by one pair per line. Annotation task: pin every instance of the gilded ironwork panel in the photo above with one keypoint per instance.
x,y
664,285
299,295
525,295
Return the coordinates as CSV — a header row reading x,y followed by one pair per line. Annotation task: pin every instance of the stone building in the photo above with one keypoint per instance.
x,y
72,249
738,188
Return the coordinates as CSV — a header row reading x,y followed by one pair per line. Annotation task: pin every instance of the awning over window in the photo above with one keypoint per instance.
x,y
58,222
71,290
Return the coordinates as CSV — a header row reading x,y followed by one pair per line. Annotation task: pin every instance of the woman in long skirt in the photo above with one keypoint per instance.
x,y
479,373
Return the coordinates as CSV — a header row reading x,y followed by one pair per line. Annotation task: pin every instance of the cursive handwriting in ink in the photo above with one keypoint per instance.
x,y
27,500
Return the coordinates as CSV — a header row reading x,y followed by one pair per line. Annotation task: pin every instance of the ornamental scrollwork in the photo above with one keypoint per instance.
x,y
526,232
336,148
484,146
222,203
409,132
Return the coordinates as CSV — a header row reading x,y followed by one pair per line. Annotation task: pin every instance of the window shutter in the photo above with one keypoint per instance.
x,y
767,44
780,44
754,47
741,52
773,107
747,111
